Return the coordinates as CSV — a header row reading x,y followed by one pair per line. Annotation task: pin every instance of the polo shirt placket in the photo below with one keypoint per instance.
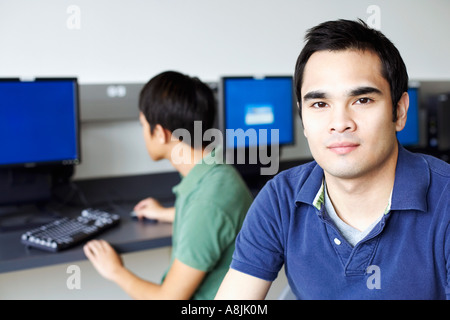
x,y
355,260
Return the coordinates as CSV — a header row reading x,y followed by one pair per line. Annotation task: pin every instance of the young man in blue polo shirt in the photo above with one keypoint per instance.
x,y
367,219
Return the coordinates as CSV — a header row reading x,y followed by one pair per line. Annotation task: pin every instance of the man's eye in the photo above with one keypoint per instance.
x,y
319,105
363,101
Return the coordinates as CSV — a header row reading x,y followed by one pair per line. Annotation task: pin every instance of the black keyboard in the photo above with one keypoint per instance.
x,y
66,232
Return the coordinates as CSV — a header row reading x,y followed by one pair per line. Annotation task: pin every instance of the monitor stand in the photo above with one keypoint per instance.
x,y
24,185
24,217
23,194
255,166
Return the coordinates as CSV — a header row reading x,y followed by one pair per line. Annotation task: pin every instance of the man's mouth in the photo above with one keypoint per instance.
x,y
342,147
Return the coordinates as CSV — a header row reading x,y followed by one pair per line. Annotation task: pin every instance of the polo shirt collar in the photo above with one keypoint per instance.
x,y
310,191
412,179
190,181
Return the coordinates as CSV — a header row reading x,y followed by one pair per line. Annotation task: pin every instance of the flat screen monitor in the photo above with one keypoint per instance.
x,y
410,135
255,109
39,122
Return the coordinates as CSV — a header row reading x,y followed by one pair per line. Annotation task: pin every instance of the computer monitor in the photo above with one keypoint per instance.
x,y
410,135
39,122
257,111
39,134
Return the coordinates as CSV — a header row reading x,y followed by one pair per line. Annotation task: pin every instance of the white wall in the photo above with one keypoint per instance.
x,y
132,40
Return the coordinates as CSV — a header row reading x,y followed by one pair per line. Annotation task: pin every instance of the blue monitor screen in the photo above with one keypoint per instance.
x,y
39,122
409,136
252,104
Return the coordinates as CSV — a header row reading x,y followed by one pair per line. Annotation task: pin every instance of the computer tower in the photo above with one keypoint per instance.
x,y
438,109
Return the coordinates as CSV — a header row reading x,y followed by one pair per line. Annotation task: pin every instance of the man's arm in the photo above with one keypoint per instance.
x,y
240,286
150,208
180,283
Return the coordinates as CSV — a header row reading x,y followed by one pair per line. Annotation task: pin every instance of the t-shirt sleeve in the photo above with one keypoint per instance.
x,y
205,234
259,247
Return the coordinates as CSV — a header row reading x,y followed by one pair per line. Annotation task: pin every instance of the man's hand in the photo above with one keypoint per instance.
x,y
181,281
104,258
150,208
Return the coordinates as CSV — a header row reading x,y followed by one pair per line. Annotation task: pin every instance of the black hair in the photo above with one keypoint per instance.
x,y
175,101
346,34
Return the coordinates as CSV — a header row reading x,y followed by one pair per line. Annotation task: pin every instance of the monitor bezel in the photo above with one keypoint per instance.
x,y
62,162
222,107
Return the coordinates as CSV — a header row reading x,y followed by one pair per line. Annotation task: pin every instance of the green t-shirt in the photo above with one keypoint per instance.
x,y
211,203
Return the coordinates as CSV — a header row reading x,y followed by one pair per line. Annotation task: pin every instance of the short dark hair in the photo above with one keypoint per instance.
x,y
175,101
346,34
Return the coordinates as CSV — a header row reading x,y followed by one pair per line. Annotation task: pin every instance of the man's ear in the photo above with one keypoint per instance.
x,y
402,111
161,135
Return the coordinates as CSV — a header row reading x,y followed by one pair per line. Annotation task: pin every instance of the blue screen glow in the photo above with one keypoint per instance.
x,y
38,121
258,106
409,136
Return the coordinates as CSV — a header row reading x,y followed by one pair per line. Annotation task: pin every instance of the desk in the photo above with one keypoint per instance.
x,y
117,195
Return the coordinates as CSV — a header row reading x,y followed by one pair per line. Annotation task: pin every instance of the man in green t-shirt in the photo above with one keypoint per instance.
x,y
211,199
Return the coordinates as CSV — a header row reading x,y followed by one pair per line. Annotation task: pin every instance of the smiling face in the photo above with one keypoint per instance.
x,y
347,113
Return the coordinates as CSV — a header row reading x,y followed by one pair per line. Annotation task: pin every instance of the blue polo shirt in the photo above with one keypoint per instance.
x,y
405,256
